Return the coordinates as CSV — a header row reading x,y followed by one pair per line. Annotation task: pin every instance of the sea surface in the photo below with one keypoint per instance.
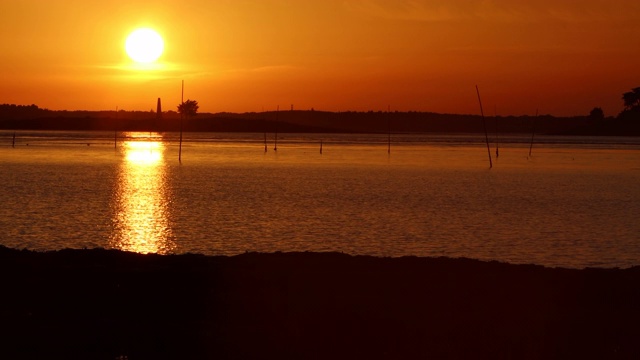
x,y
559,201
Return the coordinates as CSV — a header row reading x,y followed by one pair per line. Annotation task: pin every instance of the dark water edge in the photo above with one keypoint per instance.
x,y
311,121
107,304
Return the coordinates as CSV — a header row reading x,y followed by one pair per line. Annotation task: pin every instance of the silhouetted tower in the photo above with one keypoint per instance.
x,y
159,110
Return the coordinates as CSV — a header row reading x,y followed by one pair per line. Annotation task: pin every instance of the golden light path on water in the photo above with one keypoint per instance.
x,y
141,216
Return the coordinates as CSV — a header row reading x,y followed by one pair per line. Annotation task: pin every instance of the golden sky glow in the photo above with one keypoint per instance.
x,y
559,56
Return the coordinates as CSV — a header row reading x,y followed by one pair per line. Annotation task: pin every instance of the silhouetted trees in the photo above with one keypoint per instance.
x,y
631,110
14,111
188,108
632,99
596,114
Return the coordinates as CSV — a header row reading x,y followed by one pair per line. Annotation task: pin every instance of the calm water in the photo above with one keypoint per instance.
x,y
574,203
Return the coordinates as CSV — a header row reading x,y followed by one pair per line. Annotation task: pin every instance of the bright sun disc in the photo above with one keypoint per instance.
x,y
144,46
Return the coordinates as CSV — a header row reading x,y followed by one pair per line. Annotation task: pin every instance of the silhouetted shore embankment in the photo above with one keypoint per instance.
x,y
301,121
103,304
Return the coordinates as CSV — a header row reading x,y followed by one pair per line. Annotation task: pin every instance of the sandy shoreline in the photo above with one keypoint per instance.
x,y
102,304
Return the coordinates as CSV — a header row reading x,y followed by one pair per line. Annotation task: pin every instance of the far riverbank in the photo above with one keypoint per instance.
x,y
312,121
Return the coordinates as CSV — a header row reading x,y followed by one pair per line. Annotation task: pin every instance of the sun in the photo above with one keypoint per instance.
x,y
144,45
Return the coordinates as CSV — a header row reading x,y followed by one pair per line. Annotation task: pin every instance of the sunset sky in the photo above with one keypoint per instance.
x,y
559,56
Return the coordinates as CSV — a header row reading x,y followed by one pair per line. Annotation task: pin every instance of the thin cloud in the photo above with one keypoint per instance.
x,y
266,69
498,10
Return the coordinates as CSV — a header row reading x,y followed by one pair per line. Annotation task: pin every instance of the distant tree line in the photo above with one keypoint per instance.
x,y
32,117
21,111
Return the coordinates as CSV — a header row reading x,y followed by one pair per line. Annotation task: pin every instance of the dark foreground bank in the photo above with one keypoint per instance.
x,y
99,304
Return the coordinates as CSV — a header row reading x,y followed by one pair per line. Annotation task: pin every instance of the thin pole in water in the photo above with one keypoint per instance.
x,y
13,143
320,146
484,123
115,132
389,129
181,115
495,114
275,144
265,130
533,132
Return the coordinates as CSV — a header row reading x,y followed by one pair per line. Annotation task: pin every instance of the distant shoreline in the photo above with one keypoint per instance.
x,y
107,303
310,121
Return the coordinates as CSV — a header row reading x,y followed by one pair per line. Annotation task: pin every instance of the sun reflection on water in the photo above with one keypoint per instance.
x,y
142,198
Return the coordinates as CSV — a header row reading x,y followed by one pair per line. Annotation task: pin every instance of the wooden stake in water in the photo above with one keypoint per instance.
x,y
13,144
181,116
495,114
320,146
264,121
275,144
389,129
115,132
533,132
484,123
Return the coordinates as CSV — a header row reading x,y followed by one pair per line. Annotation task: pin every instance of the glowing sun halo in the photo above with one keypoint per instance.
x,y
144,45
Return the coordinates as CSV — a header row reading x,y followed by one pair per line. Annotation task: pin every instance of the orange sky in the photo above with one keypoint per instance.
x,y
559,56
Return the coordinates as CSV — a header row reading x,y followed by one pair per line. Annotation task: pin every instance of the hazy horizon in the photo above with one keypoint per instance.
x,y
281,109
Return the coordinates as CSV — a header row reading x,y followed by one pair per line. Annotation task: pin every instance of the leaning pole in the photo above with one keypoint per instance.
x,y
486,135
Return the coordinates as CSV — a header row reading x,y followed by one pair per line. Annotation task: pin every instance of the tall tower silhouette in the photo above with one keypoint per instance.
x,y
159,110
